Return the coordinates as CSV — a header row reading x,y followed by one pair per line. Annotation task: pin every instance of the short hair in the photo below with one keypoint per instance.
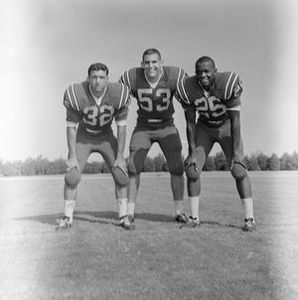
x,y
98,67
151,51
204,59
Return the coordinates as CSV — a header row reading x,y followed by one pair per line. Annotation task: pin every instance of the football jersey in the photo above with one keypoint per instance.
x,y
212,105
155,103
93,118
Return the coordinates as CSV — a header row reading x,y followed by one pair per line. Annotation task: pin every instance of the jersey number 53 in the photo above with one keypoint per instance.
x,y
145,97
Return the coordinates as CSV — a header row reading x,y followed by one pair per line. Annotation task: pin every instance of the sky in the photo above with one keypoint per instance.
x,y
48,45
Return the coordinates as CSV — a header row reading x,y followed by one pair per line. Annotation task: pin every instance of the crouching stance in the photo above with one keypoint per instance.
x,y
216,98
153,86
91,107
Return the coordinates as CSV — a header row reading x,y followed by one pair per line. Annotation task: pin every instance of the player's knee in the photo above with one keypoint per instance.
x,y
192,172
132,168
72,177
176,169
238,171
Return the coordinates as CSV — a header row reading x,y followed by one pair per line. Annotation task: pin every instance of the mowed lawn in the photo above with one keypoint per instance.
x,y
97,259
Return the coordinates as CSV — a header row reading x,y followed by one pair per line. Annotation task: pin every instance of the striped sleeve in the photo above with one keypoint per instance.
x,y
125,97
181,94
122,112
71,104
233,92
125,79
233,86
70,98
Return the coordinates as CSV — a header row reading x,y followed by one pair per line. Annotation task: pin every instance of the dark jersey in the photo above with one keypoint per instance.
x,y
212,106
155,103
95,119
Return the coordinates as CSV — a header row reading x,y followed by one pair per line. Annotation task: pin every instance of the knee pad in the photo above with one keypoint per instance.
x,y
72,177
120,176
192,172
238,170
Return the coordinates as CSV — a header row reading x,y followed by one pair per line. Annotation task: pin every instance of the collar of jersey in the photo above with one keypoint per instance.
x,y
154,84
206,93
97,99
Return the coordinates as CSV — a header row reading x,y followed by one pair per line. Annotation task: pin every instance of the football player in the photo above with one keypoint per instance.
x,y
153,86
91,107
216,98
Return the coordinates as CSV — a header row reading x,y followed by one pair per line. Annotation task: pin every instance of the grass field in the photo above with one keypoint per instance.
x,y
97,259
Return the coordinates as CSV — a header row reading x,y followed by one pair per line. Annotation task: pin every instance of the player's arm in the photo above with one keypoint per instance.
x,y
234,116
121,122
73,117
190,117
233,109
71,135
121,138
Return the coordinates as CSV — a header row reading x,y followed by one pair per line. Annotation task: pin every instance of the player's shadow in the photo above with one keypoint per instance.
x,y
111,217
102,217
215,223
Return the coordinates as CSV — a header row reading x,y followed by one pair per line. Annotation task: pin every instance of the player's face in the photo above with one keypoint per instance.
x,y
152,65
205,73
98,80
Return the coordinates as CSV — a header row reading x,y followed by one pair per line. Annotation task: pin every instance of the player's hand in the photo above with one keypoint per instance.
x,y
121,163
71,163
191,160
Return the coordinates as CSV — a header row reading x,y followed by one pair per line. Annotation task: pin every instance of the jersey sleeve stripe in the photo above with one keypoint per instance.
x,y
127,97
237,108
230,85
71,124
121,80
124,96
227,86
125,79
121,97
181,92
121,123
70,97
73,98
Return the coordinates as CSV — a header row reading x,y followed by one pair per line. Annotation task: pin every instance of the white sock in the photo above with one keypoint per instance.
x,y
178,207
194,206
131,208
122,205
69,206
247,205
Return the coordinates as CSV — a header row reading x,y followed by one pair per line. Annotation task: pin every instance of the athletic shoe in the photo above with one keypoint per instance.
x,y
182,219
249,225
127,222
191,223
63,223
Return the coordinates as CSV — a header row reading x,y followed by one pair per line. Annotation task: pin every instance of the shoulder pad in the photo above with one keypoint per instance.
x,y
119,94
73,95
230,83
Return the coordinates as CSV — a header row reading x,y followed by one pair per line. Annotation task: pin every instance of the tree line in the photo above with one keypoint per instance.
x,y
257,161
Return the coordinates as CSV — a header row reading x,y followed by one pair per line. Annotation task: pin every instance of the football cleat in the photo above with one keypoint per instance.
x,y
191,223
126,222
249,225
63,223
182,219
